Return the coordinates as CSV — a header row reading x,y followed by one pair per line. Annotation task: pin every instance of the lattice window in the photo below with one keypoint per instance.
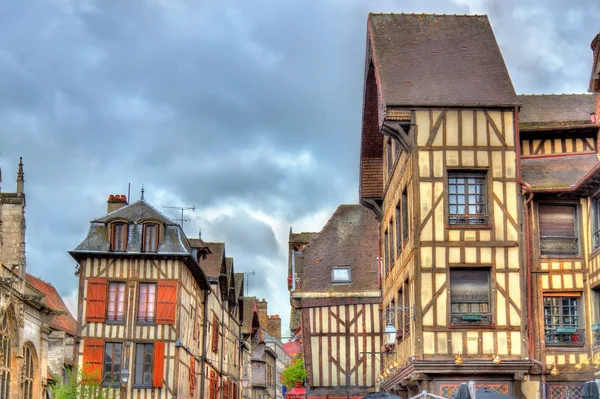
x,y
570,391
448,390
500,388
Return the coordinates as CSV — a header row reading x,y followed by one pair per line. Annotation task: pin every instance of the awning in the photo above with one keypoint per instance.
x,y
299,391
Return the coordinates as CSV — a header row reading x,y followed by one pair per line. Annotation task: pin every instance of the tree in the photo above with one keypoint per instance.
x,y
73,387
294,373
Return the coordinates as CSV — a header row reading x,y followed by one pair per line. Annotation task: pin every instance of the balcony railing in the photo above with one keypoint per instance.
x,y
554,245
480,219
565,336
471,318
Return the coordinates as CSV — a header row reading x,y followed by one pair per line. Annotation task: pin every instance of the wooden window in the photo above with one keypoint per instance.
x,y
561,320
215,334
398,232
115,310
147,303
558,232
159,364
150,239
96,300
144,362
111,371
406,303
467,203
596,222
390,155
213,392
6,359
28,374
386,253
119,237
192,375
391,245
167,302
92,361
404,216
340,274
470,296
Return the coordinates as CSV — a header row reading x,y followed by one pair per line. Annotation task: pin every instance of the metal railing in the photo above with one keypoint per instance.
x,y
554,245
565,336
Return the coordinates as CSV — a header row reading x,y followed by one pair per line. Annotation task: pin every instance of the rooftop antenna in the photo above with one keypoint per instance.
x,y
247,278
128,193
182,209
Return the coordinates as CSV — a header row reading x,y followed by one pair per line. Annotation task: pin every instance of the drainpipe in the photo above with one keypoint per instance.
x,y
526,189
222,347
204,331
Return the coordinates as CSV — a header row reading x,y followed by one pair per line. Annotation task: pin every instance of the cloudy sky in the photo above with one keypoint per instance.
x,y
248,110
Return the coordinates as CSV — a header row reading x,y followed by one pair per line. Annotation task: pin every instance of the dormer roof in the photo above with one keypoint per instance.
x,y
136,212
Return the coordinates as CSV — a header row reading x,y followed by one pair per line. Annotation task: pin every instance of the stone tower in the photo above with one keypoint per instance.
x,y
12,227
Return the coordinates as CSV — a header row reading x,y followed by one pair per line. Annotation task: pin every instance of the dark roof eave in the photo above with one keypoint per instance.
x,y
557,127
452,105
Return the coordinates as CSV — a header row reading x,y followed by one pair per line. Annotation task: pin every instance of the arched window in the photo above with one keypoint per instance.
x,y
27,385
5,358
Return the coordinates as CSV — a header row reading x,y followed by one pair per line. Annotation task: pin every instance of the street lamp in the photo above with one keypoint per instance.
x,y
245,380
390,334
124,381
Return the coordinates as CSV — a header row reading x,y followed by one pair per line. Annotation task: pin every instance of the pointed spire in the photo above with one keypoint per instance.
x,y
142,192
20,177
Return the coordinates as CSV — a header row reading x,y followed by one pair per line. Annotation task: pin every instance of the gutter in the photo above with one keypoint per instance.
x,y
334,294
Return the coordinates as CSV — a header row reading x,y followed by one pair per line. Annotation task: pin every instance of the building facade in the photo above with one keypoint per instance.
x,y
335,294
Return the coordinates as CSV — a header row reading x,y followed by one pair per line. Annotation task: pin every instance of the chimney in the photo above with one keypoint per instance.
x,y
274,326
115,201
262,313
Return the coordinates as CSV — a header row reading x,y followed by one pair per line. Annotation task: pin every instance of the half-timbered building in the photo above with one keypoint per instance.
x,y
142,295
335,292
438,167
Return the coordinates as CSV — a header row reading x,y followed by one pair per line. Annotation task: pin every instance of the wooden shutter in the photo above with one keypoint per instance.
x,y
215,334
92,361
96,299
192,375
166,308
159,364
212,391
557,221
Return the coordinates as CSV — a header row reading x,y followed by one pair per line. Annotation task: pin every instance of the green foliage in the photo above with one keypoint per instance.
x,y
73,387
294,373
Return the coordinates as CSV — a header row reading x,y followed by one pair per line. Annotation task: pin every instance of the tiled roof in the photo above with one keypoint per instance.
x,y
555,109
558,173
439,60
136,212
302,238
239,284
63,322
250,311
214,261
371,177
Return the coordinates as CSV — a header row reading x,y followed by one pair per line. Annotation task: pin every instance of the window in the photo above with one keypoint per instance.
x,y
561,320
144,354
150,237
112,363
557,224
407,311
215,334
119,237
147,303
467,198
404,216
340,275
390,155
5,359
596,222
398,229
27,380
391,245
116,302
386,252
470,296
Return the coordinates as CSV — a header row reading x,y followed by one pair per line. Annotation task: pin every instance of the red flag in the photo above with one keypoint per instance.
x,y
292,348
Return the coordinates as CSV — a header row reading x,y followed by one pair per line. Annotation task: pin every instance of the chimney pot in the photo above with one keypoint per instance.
x,y
115,201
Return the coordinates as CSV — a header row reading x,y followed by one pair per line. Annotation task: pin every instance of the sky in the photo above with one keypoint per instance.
x,y
250,111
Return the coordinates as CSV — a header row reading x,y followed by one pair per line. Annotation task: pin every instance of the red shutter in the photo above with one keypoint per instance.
x,y
92,361
192,375
96,299
159,364
211,385
215,334
167,302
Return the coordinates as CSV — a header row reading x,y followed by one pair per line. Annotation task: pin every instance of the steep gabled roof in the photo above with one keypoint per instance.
x,y
62,322
250,315
439,60
214,261
555,110
302,238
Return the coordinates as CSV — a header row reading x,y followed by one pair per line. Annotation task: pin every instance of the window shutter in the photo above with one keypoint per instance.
x,y
159,364
215,334
96,299
192,375
167,302
92,360
211,384
557,221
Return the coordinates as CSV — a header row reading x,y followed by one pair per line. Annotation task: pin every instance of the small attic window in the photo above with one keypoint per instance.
x,y
119,237
150,240
340,274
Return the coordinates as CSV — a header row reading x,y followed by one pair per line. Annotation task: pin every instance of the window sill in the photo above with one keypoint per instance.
x,y
488,226
141,386
145,323
115,322
565,346
111,385
577,256
471,325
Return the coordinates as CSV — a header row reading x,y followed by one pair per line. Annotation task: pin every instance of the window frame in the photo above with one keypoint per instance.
x,y
347,281
405,221
464,220
119,244
471,318
579,315
113,382
386,253
154,242
595,223
146,320
115,320
144,346
398,230
576,230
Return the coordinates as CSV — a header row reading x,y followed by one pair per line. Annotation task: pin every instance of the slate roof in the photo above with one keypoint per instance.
x,y
136,212
63,322
239,284
555,110
213,262
558,173
439,60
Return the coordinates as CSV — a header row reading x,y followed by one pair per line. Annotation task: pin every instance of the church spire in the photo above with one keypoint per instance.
x,y
20,177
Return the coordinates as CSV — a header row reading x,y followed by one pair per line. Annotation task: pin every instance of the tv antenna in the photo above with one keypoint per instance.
x,y
182,209
247,276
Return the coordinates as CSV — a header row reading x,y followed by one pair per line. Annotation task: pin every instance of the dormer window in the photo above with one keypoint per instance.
x,y
150,237
119,237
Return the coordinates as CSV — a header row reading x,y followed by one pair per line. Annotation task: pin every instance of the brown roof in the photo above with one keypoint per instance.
x,y
555,109
558,173
214,261
250,311
302,238
439,60
63,322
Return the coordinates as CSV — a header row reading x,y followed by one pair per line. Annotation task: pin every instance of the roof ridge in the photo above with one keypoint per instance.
x,y
555,94
425,14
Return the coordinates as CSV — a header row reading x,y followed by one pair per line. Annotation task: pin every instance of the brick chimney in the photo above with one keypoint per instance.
x,y
262,313
274,326
115,201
